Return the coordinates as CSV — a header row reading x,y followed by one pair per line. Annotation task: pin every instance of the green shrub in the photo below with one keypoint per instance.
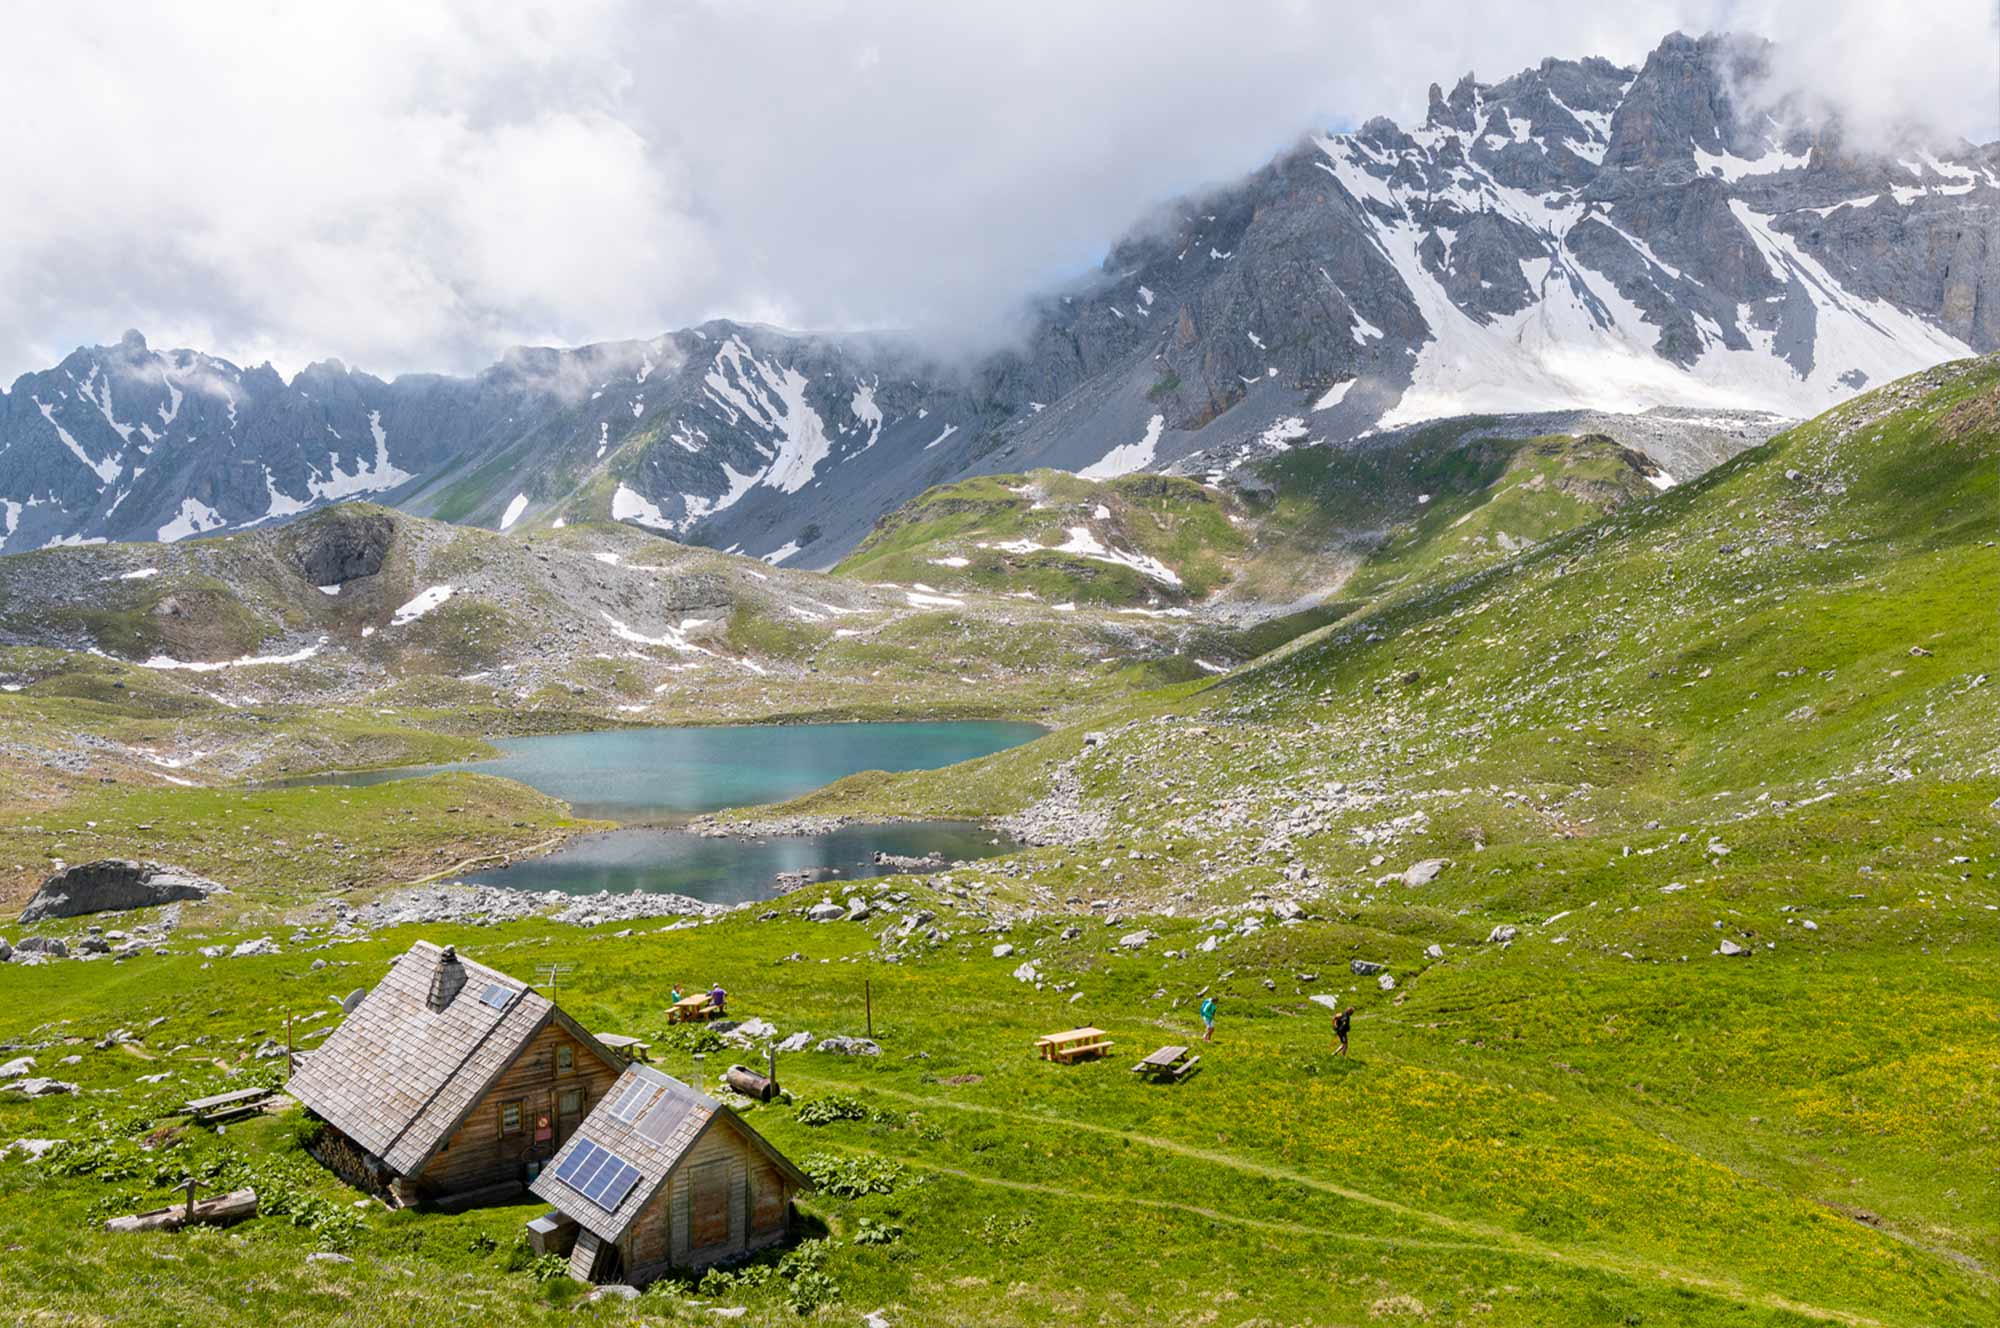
x,y
871,1232
826,1110
852,1177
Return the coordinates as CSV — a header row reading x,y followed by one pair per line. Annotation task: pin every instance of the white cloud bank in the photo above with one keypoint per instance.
x,y
418,185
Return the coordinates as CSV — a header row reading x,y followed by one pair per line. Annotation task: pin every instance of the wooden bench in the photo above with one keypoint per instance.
x,y
1083,1051
227,1106
1167,1065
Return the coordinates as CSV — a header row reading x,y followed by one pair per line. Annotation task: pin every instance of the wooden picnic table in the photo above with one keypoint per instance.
x,y
1168,1064
631,1048
1073,1045
689,1007
227,1106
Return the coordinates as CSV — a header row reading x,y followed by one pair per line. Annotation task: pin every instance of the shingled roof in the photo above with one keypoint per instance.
x,y
649,1121
415,1056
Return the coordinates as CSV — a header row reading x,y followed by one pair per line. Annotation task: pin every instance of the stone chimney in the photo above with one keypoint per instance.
x,y
446,979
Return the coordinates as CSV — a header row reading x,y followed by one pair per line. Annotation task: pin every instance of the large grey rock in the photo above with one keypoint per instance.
x,y
848,1046
113,885
48,947
36,1087
826,911
1423,873
17,1068
1364,968
1502,934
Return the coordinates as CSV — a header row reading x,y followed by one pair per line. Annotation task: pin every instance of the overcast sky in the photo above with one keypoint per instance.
x,y
419,184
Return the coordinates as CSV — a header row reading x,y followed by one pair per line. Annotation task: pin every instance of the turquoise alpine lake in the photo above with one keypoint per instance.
x,y
656,778
737,869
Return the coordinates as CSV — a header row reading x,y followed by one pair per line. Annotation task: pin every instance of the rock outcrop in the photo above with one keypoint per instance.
x,y
113,885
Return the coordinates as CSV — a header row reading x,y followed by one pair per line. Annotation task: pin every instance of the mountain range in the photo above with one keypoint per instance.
x,y
1579,236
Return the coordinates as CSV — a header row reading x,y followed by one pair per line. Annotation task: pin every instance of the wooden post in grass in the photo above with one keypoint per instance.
x,y
190,1204
771,1063
868,1004
291,1067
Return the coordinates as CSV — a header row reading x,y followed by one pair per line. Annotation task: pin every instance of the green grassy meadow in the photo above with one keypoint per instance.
x,y
1698,1025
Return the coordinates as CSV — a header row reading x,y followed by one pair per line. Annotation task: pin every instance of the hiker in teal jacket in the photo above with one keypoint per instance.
x,y
1208,1019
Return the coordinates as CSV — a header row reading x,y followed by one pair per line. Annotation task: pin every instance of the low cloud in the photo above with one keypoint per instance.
x,y
418,186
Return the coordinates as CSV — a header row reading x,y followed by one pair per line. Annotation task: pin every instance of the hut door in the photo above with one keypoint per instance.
x,y
708,1217
569,1111
767,1200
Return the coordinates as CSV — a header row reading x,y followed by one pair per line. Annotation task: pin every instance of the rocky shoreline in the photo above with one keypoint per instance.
x,y
484,905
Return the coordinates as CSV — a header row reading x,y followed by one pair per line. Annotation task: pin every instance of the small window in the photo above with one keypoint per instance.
x,y
565,1057
510,1118
572,1102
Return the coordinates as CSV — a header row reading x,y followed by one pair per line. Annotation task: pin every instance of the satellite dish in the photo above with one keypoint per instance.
x,y
352,999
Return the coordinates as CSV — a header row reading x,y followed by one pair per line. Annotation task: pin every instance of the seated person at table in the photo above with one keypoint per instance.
x,y
716,997
674,996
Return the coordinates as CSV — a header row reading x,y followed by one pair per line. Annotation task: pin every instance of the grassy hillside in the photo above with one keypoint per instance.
x,y
1144,539
1698,1022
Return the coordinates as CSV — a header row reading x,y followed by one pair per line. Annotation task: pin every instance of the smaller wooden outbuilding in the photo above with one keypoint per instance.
x,y
662,1176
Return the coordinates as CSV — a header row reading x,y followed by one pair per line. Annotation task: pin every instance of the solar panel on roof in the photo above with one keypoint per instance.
x,y
638,1094
612,1184
668,1112
496,996
597,1174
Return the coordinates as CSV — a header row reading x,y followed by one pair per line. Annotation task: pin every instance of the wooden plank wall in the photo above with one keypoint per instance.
x,y
480,1153
755,1204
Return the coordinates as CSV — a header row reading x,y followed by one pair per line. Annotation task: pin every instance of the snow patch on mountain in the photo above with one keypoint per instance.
x,y
426,600
194,518
1128,457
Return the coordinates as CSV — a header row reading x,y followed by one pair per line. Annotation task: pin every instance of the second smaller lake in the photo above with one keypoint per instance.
x,y
736,869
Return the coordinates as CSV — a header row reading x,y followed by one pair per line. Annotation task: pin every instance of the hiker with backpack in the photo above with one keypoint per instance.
x,y
1341,1022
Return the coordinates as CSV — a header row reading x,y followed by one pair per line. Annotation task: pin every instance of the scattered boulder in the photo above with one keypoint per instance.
x,y
1028,973
40,1087
113,885
902,863
749,1032
6,950
1502,934
849,1046
798,1041
1287,911
327,1256
1731,949
612,1291
1385,982
32,1149
1135,940
1364,968
1434,951
44,947
1423,873
1002,950
825,911
17,1068
263,945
